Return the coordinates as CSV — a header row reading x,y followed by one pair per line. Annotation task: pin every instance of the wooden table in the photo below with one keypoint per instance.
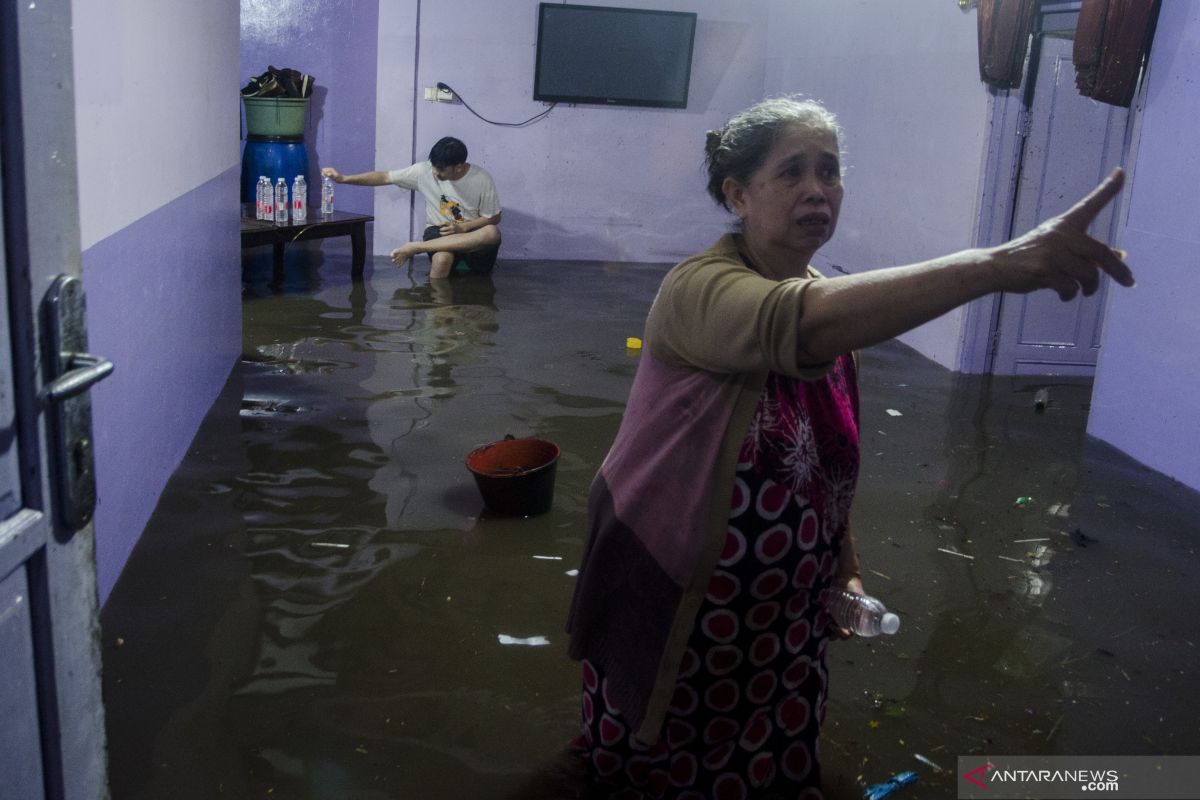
x,y
318,226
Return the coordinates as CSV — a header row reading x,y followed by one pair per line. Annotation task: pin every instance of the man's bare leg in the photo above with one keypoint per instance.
x,y
441,264
487,236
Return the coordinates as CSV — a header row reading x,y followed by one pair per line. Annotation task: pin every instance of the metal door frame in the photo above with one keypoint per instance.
x,y
42,241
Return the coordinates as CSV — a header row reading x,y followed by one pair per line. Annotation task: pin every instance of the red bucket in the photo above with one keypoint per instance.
x,y
515,476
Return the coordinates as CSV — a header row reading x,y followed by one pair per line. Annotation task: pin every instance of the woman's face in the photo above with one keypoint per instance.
x,y
791,201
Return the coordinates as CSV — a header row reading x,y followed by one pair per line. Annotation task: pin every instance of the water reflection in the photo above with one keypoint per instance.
x,y
448,328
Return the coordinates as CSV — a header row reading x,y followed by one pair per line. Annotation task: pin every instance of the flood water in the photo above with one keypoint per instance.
x,y
321,608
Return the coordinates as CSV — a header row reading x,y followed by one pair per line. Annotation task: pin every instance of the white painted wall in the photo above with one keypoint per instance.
x,y
146,104
903,79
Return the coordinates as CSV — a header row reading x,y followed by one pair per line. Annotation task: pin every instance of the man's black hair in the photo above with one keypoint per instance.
x,y
448,152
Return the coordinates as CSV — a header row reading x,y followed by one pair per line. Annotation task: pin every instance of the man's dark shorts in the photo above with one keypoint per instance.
x,y
477,262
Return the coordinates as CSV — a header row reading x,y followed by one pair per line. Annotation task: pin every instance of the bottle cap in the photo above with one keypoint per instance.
x,y
889,623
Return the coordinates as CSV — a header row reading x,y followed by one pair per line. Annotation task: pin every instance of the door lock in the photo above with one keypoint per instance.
x,y
71,372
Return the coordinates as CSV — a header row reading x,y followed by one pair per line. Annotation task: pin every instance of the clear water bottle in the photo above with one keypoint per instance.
x,y
299,199
268,200
261,199
326,196
864,615
281,202
258,199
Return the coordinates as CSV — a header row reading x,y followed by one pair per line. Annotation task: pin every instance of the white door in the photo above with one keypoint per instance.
x,y
1071,143
51,721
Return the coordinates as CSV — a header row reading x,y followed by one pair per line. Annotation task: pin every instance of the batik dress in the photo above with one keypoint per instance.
x,y
750,697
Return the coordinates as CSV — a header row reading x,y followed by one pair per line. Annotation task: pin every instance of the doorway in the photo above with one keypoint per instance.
x,y
1048,147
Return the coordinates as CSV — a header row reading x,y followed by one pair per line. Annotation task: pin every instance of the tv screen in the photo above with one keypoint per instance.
x,y
613,56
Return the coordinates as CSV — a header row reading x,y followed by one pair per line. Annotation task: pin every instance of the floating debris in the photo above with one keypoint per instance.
x,y
956,553
573,573
548,558
894,413
336,545
530,641
927,761
1023,541
880,574
1040,399
633,343
1010,558
881,790
1023,500
1057,722
1059,510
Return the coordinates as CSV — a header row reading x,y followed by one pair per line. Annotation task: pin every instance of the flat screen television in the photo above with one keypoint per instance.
x,y
613,56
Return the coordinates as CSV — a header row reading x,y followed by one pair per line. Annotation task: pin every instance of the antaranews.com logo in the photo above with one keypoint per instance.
x,y
1088,780
1051,777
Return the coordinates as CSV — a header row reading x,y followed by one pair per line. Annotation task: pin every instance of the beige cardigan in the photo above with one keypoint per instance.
x,y
659,505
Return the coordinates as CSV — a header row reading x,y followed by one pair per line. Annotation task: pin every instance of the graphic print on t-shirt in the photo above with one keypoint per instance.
x,y
449,208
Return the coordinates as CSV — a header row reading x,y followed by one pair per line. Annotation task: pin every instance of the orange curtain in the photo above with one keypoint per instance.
x,y
1004,27
1111,42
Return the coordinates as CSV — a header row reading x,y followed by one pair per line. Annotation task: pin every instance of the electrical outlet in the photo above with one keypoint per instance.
x,y
435,95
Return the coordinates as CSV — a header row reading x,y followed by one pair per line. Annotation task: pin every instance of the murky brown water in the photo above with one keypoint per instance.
x,y
320,608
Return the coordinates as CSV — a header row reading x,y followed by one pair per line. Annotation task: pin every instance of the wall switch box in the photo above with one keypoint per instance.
x,y
435,95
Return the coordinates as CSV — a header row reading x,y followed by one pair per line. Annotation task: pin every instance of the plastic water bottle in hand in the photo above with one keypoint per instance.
x,y
299,199
864,615
327,196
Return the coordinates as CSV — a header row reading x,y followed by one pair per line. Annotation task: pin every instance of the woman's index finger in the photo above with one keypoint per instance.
x,y
1082,213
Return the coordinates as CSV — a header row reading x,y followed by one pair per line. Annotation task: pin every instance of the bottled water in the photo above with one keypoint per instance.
x,y
864,615
281,202
268,200
261,199
327,196
299,199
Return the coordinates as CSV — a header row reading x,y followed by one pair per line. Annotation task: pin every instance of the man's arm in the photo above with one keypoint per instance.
x,y
375,178
470,225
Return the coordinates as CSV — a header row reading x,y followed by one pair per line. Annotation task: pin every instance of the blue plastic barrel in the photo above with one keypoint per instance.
x,y
274,156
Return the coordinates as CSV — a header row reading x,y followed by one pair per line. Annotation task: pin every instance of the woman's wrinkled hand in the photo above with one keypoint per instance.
x,y
851,584
1059,254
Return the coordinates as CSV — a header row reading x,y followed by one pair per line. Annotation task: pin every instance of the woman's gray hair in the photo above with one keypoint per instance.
x,y
740,148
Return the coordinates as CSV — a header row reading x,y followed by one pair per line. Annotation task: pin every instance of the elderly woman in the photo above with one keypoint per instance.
x,y
721,513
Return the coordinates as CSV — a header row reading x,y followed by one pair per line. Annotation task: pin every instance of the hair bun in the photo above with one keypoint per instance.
x,y
712,140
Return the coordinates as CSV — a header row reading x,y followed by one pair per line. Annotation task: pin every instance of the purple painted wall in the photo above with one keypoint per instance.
x,y
335,42
158,177
1147,393
167,311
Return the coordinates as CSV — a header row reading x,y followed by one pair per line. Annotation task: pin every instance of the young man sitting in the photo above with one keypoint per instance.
x,y
462,211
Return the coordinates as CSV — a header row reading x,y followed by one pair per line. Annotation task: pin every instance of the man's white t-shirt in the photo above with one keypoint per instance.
x,y
470,197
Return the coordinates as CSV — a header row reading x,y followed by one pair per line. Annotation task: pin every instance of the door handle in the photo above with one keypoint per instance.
x,y
83,370
71,371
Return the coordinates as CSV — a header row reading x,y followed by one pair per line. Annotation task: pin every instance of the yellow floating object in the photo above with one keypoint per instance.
x,y
633,343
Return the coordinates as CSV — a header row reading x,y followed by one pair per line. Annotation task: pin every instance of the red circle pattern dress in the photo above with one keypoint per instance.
x,y
747,708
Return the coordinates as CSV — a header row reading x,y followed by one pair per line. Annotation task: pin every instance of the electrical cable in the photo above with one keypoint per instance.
x,y
443,87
